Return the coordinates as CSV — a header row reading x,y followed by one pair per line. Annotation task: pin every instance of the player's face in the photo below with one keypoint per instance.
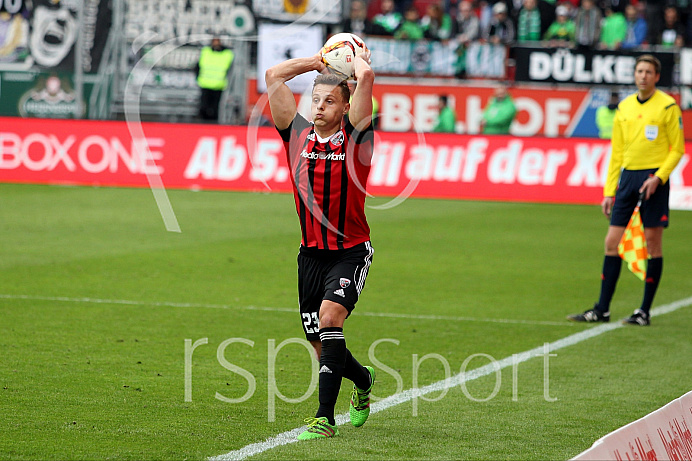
x,y
645,77
328,107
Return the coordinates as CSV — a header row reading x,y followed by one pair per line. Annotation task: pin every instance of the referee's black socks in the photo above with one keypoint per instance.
x,y
654,269
332,365
609,279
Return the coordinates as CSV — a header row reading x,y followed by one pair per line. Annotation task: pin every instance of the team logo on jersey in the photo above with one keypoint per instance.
x,y
651,132
311,136
337,139
344,282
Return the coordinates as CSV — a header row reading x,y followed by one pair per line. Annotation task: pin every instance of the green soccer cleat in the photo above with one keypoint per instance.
x,y
318,428
359,409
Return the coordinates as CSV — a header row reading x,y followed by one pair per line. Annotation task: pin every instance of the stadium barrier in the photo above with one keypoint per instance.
x,y
662,434
187,156
413,104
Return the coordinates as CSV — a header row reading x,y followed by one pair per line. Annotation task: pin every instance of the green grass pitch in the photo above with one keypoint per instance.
x,y
97,301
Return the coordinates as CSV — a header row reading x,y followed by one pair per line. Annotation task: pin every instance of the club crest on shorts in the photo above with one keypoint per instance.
x,y
344,282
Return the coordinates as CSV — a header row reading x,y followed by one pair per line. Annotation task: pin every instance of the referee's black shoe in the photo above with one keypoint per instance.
x,y
591,316
639,317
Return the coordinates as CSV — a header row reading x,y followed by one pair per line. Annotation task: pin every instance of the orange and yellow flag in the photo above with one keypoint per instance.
x,y
632,247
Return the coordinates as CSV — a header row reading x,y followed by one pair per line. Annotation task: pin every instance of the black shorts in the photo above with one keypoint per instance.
x,y
334,275
654,212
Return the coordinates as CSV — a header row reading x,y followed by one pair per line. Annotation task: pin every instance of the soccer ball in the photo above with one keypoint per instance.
x,y
339,52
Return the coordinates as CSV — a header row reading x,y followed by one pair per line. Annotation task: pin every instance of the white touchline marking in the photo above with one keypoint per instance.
x,y
278,309
290,436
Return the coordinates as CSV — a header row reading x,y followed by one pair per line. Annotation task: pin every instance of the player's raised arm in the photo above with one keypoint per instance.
x,y
360,113
281,100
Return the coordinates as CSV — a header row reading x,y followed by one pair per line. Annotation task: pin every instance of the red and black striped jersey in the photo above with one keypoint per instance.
x,y
329,181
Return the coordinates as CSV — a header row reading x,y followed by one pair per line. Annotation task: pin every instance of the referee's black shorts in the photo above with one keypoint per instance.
x,y
334,275
654,212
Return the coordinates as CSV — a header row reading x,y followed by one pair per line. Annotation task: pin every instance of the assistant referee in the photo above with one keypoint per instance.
x,y
648,142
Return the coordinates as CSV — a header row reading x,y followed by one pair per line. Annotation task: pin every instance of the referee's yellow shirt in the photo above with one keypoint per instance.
x,y
645,136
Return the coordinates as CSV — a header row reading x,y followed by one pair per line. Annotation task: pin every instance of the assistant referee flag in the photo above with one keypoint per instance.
x,y
632,247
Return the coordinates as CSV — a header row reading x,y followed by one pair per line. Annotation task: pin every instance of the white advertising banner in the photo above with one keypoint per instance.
x,y
304,11
686,66
662,434
279,42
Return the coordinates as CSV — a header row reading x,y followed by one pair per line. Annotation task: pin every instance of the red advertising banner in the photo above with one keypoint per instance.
x,y
412,105
503,168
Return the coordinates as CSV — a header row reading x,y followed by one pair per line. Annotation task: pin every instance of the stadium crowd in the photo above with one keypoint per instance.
x,y
595,24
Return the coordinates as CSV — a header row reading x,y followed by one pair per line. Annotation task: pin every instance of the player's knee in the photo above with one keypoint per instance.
x,y
611,246
654,248
612,240
332,315
654,241
329,320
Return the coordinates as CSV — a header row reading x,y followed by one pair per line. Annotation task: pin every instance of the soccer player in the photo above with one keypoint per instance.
x,y
648,142
329,160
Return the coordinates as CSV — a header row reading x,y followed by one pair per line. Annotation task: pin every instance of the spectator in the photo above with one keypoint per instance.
x,y
605,115
513,9
388,21
501,29
613,31
438,25
484,12
684,7
587,26
617,6
529,24
446,119
673,32
468,29
561,32
357,21
401,5
571,9
499,113
654,17
410,28
212,70
468,25
573,6
636,29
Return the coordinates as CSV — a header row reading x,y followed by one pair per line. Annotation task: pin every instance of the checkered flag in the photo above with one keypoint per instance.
x,y
632,247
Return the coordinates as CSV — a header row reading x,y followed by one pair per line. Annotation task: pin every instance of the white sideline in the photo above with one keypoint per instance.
x,y
396,399
277,309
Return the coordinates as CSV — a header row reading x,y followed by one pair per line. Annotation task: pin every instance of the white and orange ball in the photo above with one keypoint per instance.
x,y
339,53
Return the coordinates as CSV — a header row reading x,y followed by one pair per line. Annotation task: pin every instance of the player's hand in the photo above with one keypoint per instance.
x,y
650,186
607,206
364,55
361,64
319,64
